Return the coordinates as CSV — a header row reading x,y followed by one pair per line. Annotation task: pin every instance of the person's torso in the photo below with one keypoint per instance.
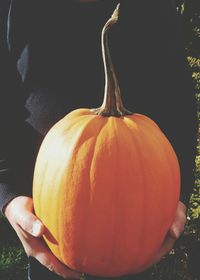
x,y
65,66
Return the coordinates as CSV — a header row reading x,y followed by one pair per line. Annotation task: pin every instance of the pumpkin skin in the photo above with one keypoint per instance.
x,y
106,184
107,190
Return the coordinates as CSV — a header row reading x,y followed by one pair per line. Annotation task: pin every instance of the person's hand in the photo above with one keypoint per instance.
x,y
30,229
173,234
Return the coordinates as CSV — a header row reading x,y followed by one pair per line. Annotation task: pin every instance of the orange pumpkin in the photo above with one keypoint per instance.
x,y
106,185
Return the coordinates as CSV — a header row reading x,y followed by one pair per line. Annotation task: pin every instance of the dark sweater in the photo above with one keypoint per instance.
x,y
51,63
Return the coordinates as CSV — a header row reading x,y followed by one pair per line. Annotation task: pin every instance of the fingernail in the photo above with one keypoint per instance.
x,y
36,228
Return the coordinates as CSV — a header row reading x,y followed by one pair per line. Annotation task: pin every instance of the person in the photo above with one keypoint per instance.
x,y
51,63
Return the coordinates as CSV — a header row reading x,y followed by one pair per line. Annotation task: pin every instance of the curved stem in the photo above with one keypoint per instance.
x,y
112,103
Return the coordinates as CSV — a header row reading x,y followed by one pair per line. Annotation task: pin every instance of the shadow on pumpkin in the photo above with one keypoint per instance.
x,y
49,236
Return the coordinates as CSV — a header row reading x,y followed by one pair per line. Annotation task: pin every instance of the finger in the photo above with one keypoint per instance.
x,y
178,225
19,212
182,207
165,248
30,223
37,248
176,230
53,264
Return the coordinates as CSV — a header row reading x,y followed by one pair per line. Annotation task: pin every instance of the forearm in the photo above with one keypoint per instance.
x,y
16,143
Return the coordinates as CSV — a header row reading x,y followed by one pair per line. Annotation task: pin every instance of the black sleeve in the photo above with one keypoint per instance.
x,y
17,141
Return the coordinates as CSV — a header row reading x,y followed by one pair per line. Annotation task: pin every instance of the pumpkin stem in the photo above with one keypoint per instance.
x,y
112,103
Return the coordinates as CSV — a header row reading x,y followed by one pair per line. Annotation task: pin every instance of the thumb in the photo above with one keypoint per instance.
x,y
31,224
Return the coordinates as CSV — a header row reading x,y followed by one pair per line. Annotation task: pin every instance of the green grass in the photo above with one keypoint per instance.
x,y
13,260
12,263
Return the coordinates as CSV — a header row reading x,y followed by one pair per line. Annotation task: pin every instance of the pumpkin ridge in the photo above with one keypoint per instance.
x,y
113,247
76,149
49,163
144,224
91,163
166,143
120,129
96,150
150,131
90,208
114,241
134,137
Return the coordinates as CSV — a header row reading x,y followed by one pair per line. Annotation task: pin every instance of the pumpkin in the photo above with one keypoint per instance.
x,y
106,184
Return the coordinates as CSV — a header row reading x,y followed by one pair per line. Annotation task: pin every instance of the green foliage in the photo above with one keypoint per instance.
x,y
194,207
13,260
190,10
